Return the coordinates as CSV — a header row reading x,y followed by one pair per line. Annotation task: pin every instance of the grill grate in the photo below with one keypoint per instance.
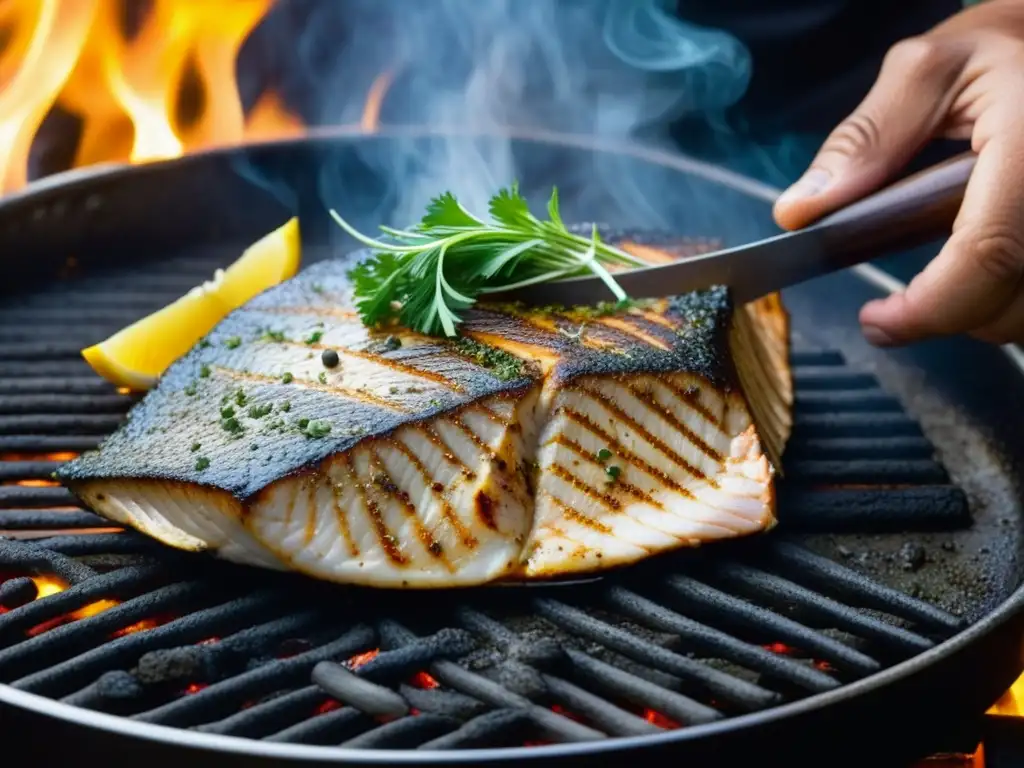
x,y
114,622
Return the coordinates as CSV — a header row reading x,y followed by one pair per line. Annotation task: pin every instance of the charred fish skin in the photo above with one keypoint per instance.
x,y
253,402
424,462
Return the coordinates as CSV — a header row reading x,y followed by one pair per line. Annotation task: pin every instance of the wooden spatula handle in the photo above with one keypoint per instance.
x,y
914,210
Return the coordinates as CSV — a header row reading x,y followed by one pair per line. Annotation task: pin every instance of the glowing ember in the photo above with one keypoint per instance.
x,y
193,688
143,626
658,719
37,483
329,705
781,649
361,659
57,456
424,680
48,585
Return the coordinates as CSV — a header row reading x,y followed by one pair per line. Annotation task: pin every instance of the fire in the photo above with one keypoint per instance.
x,y
164,90
361,659
1011,703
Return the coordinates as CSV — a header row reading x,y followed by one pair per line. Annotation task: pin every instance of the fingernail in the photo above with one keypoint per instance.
x,y
877,336
808,185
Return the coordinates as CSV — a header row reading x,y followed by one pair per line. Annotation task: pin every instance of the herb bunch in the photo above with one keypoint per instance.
x,y
424,276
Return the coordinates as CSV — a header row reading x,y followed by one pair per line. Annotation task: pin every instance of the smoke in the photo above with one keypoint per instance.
x,y
613,70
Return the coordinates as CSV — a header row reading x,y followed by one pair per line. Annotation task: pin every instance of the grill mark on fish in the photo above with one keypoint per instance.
x,y
494,326
655,441
310,530
446,452
465,536
350,394
387,486
652,404
456,421
631,330
691,396
384,536
655,318
386,362
339,513
484,506
623,485
620,452
579,517
585,488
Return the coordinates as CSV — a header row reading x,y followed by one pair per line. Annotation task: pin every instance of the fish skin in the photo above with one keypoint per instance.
x,y
257,500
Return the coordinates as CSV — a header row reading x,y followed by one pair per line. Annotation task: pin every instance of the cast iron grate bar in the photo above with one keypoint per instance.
x,y
567,674
855,463
170,638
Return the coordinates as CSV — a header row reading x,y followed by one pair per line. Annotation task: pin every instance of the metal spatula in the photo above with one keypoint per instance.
x,y
912,211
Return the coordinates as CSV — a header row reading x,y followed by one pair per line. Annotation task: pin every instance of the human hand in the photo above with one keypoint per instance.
x,y
963,79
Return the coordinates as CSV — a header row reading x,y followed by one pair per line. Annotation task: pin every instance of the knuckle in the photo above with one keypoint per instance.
x,y
855,135
999,253
913,55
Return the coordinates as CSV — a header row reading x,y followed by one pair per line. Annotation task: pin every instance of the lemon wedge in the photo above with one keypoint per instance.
x,y
135,356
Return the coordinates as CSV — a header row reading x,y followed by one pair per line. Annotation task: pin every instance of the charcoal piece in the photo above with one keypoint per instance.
x,y
14,593
543,652
520,679
441,702
188,663
358,692
118,686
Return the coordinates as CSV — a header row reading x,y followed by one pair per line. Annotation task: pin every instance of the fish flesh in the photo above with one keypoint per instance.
x,y
543,442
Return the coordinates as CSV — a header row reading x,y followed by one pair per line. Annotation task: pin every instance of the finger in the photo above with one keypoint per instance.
x,y
901,112
1008,327
978,273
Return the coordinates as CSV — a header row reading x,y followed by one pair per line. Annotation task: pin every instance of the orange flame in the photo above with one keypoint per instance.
x,y
167,89
1011,703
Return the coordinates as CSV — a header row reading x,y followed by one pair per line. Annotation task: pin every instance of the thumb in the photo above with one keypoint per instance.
x,y
901,112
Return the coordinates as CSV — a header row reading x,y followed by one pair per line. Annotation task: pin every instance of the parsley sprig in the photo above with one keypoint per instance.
x,y
424,276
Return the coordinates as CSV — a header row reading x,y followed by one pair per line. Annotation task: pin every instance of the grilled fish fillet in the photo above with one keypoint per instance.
x,y
543,443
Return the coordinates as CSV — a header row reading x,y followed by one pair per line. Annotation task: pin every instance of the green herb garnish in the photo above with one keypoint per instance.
x,y
204,371
603,455
190,389
259,411
424,276
202,463
314,337
317,428
503,365
322,378
287,378
273,335
613,473
232,425
196,447
285,406
233,343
